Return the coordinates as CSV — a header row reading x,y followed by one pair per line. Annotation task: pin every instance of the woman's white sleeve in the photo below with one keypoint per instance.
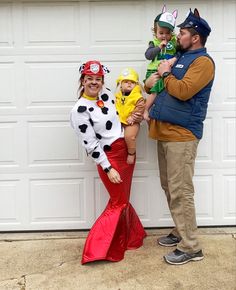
x,y
84,130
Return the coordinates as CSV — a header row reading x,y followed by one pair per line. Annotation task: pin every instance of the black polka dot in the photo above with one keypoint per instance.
x,y
96,154
104,97
113,102
105,110
91,109
91,121
81,109
83,128
85,142
117,113
98,136
107,148
108,125
108,89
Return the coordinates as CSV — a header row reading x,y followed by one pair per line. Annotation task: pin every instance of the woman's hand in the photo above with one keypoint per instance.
x,y
130,120
114,176
137,117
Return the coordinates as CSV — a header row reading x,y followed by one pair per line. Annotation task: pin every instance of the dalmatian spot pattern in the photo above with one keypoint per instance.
x,y
83,128
108,125
113,102
98,136
105,110
107,148
104,97
95,155
91,121
85,142
91,109
81,109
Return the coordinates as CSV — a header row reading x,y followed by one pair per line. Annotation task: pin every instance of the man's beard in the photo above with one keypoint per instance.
x,y
180,48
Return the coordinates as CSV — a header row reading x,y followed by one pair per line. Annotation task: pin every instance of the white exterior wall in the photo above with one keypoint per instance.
x,y
46,180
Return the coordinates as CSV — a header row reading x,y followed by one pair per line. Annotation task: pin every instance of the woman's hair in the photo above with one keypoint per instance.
x,y
80,90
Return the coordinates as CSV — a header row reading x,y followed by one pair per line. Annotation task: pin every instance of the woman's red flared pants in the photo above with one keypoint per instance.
x,y
118,228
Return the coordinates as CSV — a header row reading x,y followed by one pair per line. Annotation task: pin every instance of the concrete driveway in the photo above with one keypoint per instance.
x,y
51,261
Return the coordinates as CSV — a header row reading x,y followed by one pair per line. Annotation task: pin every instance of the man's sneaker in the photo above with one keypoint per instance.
x,y
168,241
179,258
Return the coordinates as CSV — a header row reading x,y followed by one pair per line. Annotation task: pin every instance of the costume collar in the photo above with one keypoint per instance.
x,y
89,98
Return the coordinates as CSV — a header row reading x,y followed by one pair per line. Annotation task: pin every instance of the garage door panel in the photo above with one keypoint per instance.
x,y
50,23
55,200
8,207
229,20
229,94
6,32
223,92
52,142
205,147
140,197
125,29
7,84
51,84
9,153
229,147
204,200
229,202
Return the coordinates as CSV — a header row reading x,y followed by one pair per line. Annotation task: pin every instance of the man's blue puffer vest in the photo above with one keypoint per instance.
x,y
189,114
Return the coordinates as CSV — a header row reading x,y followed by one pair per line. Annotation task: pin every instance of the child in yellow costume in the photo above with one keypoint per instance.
x,y
129,100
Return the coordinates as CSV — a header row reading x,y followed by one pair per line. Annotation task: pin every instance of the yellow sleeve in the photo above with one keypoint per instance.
x,y
198,75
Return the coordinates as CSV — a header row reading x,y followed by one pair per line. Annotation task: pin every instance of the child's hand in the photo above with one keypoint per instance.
x,y
130,120
163,44
146,115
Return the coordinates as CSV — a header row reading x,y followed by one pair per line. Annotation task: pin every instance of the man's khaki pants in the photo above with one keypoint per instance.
x,y
176,164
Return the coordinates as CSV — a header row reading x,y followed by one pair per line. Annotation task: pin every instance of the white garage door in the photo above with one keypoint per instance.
x,y
46,180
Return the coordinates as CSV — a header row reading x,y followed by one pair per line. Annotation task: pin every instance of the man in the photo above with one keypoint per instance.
x,y
177,123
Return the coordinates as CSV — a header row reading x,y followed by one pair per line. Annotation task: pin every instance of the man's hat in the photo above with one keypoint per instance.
x,y
194,21
166,19
93,67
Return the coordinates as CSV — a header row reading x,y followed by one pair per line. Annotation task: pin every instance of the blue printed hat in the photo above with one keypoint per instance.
x,y
194,21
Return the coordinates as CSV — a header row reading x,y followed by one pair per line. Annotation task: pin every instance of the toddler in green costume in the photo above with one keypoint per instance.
x,y
163,46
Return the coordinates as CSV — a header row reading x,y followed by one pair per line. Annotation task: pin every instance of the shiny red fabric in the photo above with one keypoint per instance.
x,y
118,228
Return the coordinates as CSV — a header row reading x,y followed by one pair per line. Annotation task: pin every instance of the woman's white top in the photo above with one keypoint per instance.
x,y
97,127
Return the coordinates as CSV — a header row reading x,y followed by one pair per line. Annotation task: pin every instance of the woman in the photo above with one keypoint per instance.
x,y
96,122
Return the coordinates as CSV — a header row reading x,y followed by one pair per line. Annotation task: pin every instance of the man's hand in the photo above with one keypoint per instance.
x,y
164,67
146,115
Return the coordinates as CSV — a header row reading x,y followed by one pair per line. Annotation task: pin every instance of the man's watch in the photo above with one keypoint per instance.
x,y
165,74
107,169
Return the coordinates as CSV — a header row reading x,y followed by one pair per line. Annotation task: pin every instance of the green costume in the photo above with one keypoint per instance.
x,y
168,52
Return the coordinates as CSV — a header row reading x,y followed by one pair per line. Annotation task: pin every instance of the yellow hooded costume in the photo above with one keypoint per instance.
x,y
125,105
